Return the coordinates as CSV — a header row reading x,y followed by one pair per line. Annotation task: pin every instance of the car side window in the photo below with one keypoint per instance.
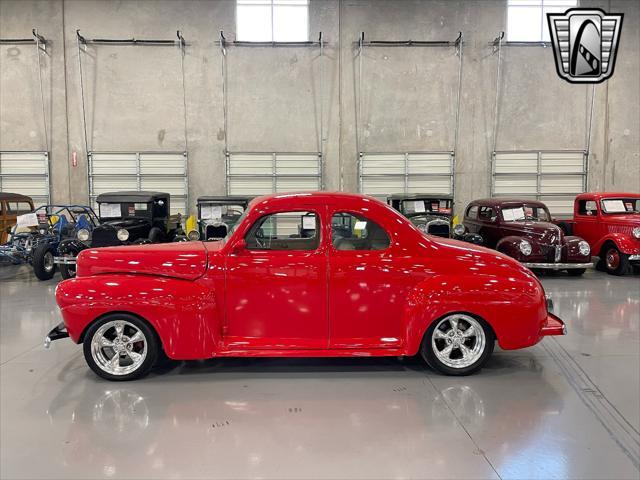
x,y
587,207
488,214
18,208
355,232
284,231
472,212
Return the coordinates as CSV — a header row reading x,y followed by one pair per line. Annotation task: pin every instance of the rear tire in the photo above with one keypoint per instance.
x,y
126,337
457,344
576,272
43,265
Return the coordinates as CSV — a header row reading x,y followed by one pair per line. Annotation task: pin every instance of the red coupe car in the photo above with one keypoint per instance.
x,y
302,275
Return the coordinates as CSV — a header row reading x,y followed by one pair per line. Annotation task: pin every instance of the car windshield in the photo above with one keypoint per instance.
x,y
121,210
620,205
228,213
525,212
417,207
236,225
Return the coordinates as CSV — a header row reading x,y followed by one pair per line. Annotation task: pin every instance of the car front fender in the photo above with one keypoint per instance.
x,y
511,246
183,313
623,242
513,305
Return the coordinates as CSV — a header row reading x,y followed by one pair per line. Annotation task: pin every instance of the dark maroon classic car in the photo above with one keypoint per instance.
x,y
523,230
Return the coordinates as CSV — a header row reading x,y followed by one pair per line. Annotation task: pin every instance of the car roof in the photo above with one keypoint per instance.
x,y
8,196
317,198
227,199
503,202
600,195
419,196
131,196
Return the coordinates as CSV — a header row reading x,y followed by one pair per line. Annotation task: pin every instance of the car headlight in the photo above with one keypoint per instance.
x,y
193,235
123,235
43,231
459,229
584,248
83,235
636,232
525,247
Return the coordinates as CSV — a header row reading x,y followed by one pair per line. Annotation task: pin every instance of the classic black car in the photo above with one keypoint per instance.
x,y
433,214
216,216
128,217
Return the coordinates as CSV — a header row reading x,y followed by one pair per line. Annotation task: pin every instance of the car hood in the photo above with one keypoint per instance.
x,y
545,232
476,257
125,223
184,260
625,220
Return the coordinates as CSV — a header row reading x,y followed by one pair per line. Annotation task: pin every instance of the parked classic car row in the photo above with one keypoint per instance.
x,y
604,225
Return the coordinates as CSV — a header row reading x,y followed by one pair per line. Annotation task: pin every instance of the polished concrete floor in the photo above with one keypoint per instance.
x,y
567,408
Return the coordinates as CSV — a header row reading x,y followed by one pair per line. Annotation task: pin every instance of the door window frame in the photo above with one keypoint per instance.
x,y
356,213
303,209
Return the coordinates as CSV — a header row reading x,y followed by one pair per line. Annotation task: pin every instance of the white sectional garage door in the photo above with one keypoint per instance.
x,y
262,173
552,177
26,173
381,174
155,171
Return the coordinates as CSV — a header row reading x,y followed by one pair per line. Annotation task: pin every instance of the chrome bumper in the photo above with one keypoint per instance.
x,y
65,260
58,332
558,266
634,257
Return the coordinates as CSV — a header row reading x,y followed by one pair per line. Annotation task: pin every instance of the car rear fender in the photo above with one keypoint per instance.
x,y
513,305
184,314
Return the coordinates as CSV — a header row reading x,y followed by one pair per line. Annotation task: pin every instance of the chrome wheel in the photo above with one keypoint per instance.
x,y
613,259
119,347
458,341
49,264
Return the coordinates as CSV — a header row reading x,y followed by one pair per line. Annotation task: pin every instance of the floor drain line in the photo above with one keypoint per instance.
x,y
618,427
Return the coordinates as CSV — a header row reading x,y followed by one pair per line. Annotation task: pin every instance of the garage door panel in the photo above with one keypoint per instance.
x,y
155,171
564,184
105,164
560,206
382,186
414,172
548,175
263,173
515,185
517,163
26,173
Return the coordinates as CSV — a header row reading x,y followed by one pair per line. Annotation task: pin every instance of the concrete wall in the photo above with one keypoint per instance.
x,y
134,94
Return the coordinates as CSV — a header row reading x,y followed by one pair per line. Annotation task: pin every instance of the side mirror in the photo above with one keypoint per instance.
x,y
239,247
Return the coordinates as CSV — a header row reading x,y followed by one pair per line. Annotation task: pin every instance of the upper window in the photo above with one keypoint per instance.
x,y
272,20
284,231
487,213
355,232
472,211
18,208
527,19
620,205
587,207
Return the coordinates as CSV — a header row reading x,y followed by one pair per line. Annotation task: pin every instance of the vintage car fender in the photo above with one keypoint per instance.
x,y
184,313
510,246
501,302
624,242
573,247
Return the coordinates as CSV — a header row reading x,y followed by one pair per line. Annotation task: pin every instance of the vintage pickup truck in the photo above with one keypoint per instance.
x,y
610,222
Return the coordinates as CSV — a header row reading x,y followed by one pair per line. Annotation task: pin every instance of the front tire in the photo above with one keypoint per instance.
x,y
615,262
68,271
43,265
458,344
120,347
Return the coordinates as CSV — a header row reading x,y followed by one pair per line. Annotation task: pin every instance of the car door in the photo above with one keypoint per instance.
x,y
587,225
368,284
276,285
